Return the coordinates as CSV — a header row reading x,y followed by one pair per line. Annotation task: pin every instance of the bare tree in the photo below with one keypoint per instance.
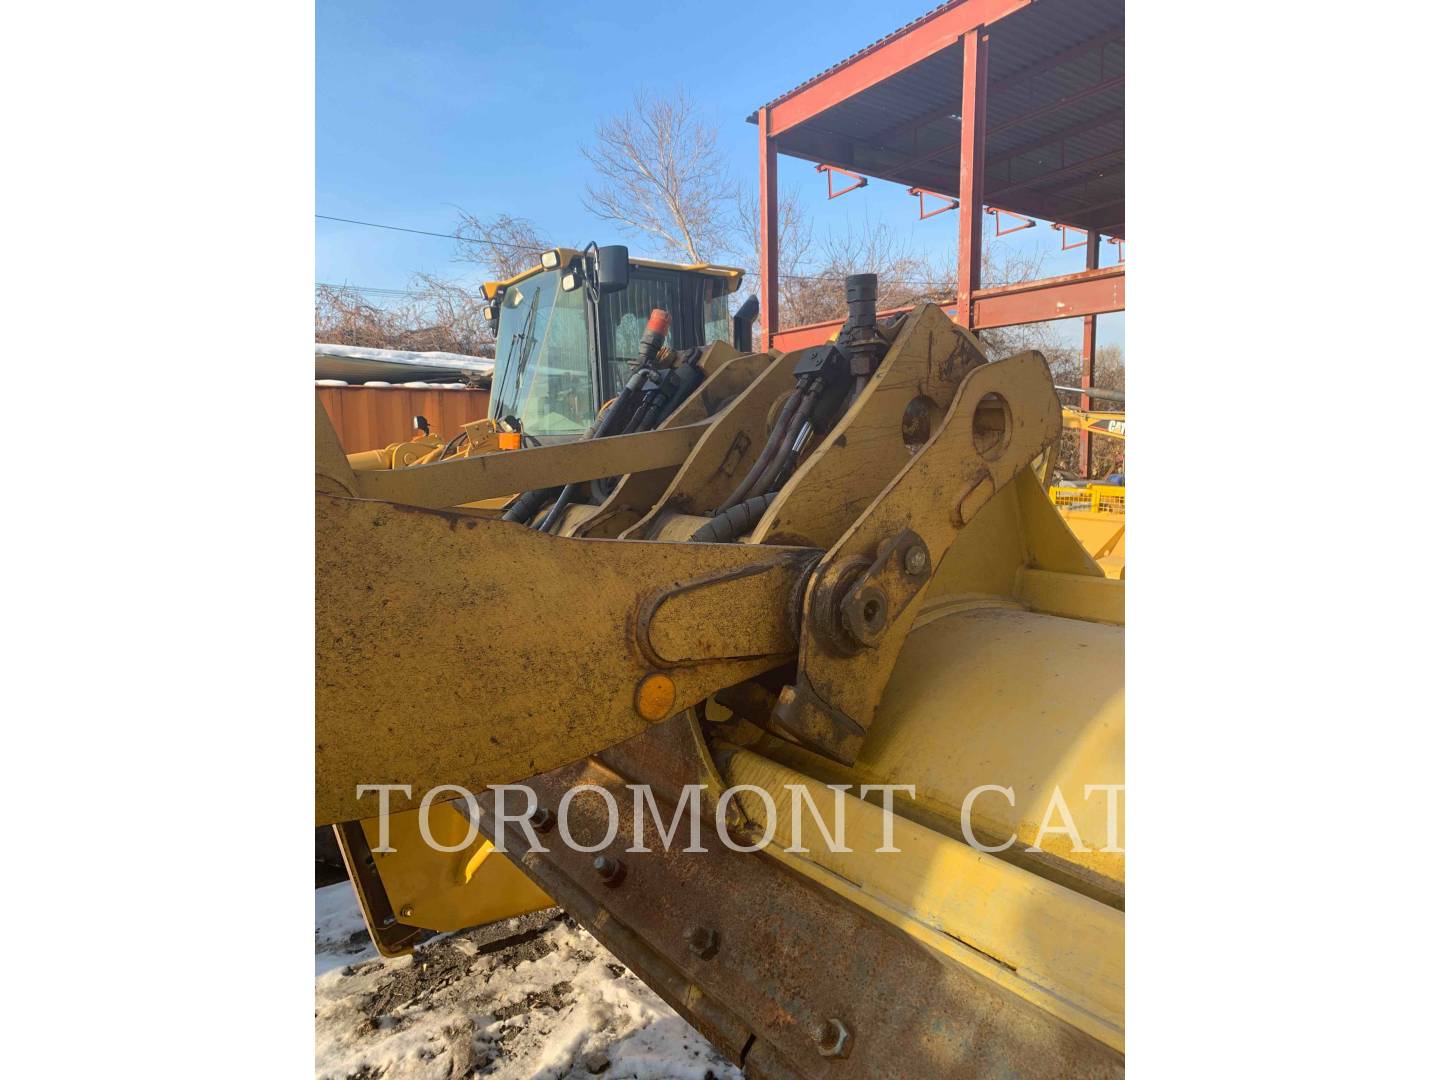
x,y
795,238
661,174
456,311
812,275
502,245
435,316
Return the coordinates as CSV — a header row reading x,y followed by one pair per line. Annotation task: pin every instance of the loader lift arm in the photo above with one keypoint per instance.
x,y
413,623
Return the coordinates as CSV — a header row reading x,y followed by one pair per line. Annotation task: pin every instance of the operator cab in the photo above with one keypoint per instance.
x,y
567,331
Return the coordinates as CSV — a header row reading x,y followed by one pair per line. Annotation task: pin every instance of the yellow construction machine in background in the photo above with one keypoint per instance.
x,y
1095,511
835,566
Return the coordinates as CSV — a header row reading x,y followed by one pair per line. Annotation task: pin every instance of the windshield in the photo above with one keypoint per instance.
x,y
542,358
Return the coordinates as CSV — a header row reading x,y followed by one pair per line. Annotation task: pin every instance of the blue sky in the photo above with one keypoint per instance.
x,y
426,106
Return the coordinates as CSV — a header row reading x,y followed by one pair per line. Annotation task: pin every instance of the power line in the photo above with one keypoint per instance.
x,y
425,232
528,247
375,290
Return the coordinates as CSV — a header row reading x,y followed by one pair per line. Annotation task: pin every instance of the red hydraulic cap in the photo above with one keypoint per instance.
x,y
659,321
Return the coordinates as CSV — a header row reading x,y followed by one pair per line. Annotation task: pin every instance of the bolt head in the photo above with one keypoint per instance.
x,y
917,560
407,911
833,1039
543,820
702,940
611,870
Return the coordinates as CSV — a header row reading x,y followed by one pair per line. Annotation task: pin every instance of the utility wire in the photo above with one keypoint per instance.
x,y
372,289
527,247
425,232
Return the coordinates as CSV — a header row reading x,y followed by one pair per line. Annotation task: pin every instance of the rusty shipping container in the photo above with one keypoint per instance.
x,y
370,417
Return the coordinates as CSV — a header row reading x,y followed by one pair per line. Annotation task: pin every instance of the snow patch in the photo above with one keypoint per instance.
x,y
527,1001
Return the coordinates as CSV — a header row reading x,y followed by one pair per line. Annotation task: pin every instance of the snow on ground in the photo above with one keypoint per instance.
x,y
536,998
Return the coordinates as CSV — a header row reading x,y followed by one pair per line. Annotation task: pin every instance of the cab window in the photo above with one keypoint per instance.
x,y
715,309
624,315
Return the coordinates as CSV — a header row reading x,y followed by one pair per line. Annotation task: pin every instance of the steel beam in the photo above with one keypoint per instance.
x,y
1065,297
1059,103
972,171
1085,48
999,87
1113,117
769,235
1063,170
1090,292
1087,351
909,46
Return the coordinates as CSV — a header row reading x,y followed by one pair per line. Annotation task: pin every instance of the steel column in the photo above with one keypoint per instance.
x,y
972,170
1087,351
769,236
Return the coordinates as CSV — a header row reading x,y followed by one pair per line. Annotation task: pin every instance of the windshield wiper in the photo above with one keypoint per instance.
x,y
527,333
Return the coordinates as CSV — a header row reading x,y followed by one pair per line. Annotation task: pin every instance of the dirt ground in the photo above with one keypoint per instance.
x,y
534,997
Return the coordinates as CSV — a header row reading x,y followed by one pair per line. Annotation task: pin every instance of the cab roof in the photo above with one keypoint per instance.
x,y
730,274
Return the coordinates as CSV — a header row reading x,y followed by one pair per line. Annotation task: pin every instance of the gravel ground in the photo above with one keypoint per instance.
x,y
533,997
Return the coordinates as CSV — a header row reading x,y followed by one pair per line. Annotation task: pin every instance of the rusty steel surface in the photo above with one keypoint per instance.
x,y
970,190
1088,292
769,234
926,36
912,108
782,957
1087,352
438,661
893,113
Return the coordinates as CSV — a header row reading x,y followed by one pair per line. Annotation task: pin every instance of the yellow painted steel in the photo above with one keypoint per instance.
x,y
730,275
398,455
1004,707
441,890
1109,424
1096,515
987,693
1066,950
1096,512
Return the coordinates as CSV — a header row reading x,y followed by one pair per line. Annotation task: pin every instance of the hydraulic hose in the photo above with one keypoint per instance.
x,y
772,444
451,445
529,504
785,458
736,521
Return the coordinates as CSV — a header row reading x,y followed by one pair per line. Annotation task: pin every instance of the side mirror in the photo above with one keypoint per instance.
x,y
612,268
490,311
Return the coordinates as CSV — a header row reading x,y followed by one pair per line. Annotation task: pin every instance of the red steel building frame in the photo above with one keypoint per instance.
x,y
1086,294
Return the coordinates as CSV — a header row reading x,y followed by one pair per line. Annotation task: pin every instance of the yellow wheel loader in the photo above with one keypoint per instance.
x,y
568,333
802,699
